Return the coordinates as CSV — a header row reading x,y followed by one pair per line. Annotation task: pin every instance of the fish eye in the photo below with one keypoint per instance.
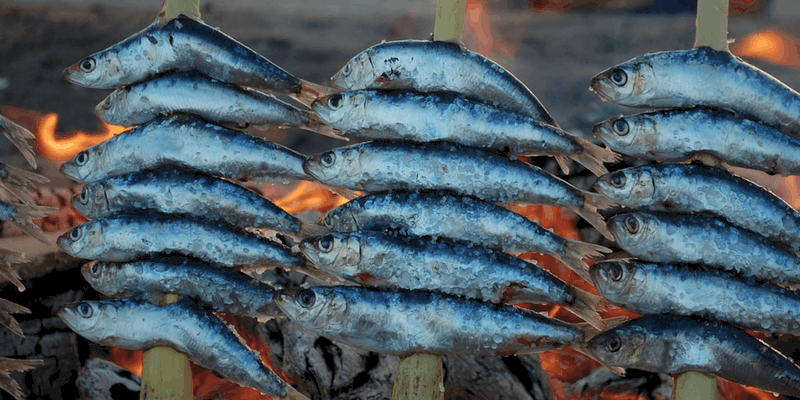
x,y
328,159
632,224
614,344
84,197
306,298
95,270
325,244
619,77
347,69
621,127
81,158
328,221
107,103
615,272
618,180
335,101
75,234
88,64
84,310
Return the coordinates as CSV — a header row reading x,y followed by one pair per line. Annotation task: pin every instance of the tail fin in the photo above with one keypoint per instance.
x,y
18,136
8,365
23,216
563,163
586,306
7,271
6,309
16,180
310,91
593,157
576,251
591,203
315,124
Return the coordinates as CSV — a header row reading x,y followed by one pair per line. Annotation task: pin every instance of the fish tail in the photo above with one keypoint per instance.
x,y
593,157
588,211
8,272
19,136
576,251
586,306
6,309
563,163
21,177
24,215
315,124
308,229
310,91
20,193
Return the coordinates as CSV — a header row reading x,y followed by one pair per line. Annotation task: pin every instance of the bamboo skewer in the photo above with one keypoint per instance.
x,y
712,31
420,376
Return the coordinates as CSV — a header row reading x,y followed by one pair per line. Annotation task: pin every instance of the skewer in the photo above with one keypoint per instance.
x,y
420,376
712,31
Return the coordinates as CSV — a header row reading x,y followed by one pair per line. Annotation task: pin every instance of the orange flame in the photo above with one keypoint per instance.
x,y
62,149
479,25
309,196
769,45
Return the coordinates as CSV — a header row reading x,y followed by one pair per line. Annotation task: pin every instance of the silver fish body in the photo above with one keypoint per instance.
x,y
705,77
416,117
650,288
436,66
196,94
182,43
676,135
674,345
220,289
441,214
132,237
189,143
401,323
381,166
134,324
173,191
697,189
698,239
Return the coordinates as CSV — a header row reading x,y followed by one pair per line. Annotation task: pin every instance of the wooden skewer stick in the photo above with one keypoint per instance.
x,y
420,376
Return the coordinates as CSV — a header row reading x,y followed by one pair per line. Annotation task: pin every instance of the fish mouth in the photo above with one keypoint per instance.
x,y
70,72
307,248
68,316
599,85
601,131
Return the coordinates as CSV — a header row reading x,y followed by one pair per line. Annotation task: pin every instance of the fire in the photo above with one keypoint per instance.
x,y
478,25
62,149
308,196
769,45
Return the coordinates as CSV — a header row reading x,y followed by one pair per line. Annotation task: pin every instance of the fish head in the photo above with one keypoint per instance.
x,y
102,70
629,187
634,230
94,320
343,111
330,165
615,279
103,277
335,252
340,219
628,84
357,73
83,240
632,135
315,307
80,167
621,346
92,201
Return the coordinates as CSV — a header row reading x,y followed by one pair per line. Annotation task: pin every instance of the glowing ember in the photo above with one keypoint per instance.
x,y
478,26
769,45
310,196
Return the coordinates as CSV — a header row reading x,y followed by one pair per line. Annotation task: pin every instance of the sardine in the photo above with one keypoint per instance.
x,y
134,324
441,214
402,323
190,143
182,43
214,101
436,66
379,166
649,288
21,216
677,135
19,182
698,239
19,136
131,237
173,191
413,117
674,345
701,76
220,289
696,189
466,270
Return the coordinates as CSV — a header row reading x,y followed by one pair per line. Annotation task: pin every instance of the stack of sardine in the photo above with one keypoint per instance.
x,y
428,242
714,253
18,183
167,215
